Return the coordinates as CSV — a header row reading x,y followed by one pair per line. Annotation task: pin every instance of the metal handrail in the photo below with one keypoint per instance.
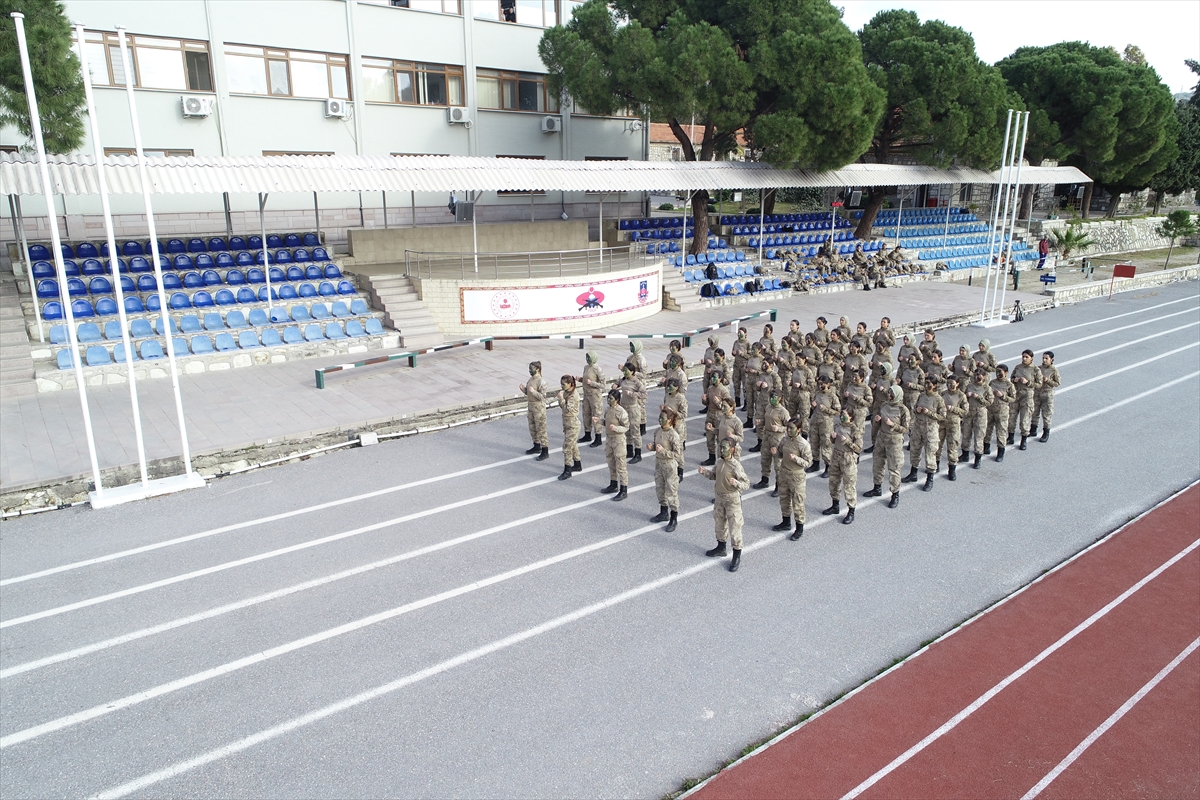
x,y
529,264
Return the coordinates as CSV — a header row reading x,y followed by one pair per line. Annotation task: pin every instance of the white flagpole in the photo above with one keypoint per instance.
x,y
987,278
114,261
1015,211
1007,185
35,123
18,222
144,178
262,225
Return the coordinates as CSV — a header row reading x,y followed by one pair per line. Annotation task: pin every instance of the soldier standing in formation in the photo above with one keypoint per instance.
x,y
1028,380
893,420
740,352
535,396
929,412
568,401
1043,401
843,469
593,398
616,424
730,481
951,429
979,398
668,468
1003,395
795,456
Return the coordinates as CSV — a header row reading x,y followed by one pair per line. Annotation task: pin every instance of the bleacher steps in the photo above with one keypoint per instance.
x,y
403,310
677,294
16,361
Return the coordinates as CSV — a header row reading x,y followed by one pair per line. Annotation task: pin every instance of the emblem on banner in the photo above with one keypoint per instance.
x,y
591,299
505,305
643,292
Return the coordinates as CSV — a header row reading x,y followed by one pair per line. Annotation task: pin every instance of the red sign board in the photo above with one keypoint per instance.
x,y
837,204
1124,270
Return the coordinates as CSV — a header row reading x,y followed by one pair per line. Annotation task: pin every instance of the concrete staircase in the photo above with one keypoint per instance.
x,y
678,295
403,310
16,363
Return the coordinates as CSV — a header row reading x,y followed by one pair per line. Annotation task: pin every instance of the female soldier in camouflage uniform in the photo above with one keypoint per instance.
x,y
568,402
668,468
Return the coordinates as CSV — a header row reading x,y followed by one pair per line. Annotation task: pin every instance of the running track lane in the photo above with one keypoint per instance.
x,y
1016,738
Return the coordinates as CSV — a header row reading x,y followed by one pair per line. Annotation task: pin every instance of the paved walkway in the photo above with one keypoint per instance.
x,y
43,438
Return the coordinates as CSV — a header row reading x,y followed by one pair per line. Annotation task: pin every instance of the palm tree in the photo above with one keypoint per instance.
x,y
1070,239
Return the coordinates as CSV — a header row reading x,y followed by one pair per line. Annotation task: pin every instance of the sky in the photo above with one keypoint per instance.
x,y
1168,31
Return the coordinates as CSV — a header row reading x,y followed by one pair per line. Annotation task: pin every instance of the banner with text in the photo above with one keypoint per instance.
x,y
562,301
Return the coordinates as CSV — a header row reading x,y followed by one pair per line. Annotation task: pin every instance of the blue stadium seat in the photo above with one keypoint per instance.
x,y
311,240
106,307
235,277
202,300
204,261
345,287
301,256
42,269
211,278
181,346
373,327
132,249
274,240
119,353
91,266
292,335
326,289
82,308
225,260
182,261
133,304
312,333
64,359
192,280
112,330
127,284
39,252
358,307
196,246
308,290
282,257
254,242
270,338
354,329
47,288
319,254
314,273
332,271
179,300
137,264
201,345
152,303
295,273
248,339
255,275
97,356
86,250
175,246
150,350
213,322
338,309
300,314
244,259
334,331
236,319
276,275
224,342
246,295
76,287
291,240
288,292
87,333
140,328
171,281
225,297
237,243
279,315
216,244
190,323
320,312
258,318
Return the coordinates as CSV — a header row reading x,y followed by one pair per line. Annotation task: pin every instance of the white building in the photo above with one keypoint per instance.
x,y
346,77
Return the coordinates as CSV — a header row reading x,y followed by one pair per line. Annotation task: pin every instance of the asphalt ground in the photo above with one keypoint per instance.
x,y
439,616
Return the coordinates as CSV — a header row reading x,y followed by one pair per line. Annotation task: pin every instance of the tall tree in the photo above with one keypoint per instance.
x,y
1182,174
785,74
944,105
1116,118
55,67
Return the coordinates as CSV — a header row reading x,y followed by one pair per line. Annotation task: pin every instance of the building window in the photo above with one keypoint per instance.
x,y
514,91
435,6
295,153
540,13
526,192
177,64
386,81
286,73
150,152
576,108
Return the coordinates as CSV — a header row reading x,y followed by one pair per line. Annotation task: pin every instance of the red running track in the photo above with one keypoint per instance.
x,y
1001,707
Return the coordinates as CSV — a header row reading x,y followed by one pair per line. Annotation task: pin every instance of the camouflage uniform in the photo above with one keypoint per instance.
x,y
1043,400
889,445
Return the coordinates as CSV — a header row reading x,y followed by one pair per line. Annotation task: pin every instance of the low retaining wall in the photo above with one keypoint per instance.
x,y
387,245
1111,236
1100,288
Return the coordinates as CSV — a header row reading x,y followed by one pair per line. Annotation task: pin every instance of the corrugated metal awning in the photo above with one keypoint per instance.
x,y
75,175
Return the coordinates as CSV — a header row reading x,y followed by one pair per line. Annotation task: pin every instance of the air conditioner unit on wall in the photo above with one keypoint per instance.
x,y
196,105
457,115
551,124
337,108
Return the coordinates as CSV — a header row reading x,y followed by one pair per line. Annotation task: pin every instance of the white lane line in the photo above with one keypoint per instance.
x,y
1112,720
1102,334
1126,368
74,565
1131,343
1127,401
229,608
98,711
444,666
282,551
953,722
330,633
1148,309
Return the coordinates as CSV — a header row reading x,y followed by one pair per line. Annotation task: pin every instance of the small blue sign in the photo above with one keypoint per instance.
x,y
1048,279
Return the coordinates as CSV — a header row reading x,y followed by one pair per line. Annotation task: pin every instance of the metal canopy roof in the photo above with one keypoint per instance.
x,y
75,175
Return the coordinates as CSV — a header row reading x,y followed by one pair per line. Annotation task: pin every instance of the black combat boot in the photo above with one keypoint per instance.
x,y
537,448
542,456
642,428
663,514
737,560
895,501
875,491
987,448
577,467
629,451
928,487
749,423
673,521
739,404
622,494
816,466
637,456
870,449
596,442
978,458
833,509
587,437
757,447
825,472
950,472
1045,437
798,532
763,483
1011,436
716,552
911,477
708,462
1024,438
849,517
775,491
965,455
612,487
785,525
566,473
999,453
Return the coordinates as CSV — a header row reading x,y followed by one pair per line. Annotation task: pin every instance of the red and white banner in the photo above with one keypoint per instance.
x,y
572,300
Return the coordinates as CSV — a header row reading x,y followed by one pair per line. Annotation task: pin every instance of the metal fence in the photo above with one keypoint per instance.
x,y
539,264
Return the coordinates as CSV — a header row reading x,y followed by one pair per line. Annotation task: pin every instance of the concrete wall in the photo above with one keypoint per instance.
x,y
443,300
388,246
1111,236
